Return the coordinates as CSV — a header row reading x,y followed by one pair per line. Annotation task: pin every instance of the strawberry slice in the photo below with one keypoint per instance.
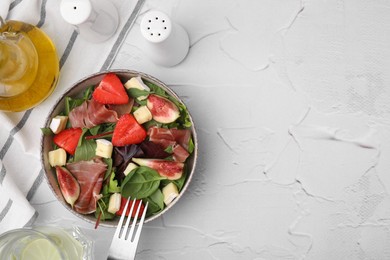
x,y
128,131
136,205
68,139
110,91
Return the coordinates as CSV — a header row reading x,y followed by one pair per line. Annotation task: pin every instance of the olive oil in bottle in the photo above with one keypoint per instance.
x,y
29,66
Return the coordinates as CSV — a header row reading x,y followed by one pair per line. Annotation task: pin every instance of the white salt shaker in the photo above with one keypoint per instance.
x,y
96,20
166,43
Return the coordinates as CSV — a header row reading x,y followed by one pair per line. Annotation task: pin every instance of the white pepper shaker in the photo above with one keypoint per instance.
x,y
96,20
166,43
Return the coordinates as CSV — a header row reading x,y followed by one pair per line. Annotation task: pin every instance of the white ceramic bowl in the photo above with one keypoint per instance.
x,y
75,91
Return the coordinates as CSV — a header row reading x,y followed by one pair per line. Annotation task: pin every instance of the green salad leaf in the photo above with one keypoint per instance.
x,y
88,92
152,123
46,131
113,184
155,89
156,202
108,162
86,151
102,206
141,183
71,103
184,119
179,182
94,130
191,146
135,93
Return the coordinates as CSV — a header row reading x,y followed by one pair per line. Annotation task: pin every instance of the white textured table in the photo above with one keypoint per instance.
x,y
291,101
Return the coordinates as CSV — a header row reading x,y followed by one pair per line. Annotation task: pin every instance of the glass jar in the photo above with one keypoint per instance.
x,y
29,66
45,243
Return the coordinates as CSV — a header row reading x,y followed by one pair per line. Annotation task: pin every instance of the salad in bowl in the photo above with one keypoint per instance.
x,y
118,134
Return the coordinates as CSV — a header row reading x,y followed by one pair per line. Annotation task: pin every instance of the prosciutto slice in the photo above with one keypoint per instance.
x,y
122,109
177,138
179,153
89,175
91,113
167,137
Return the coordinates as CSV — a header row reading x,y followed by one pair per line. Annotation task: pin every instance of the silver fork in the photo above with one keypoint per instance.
x,y
124,244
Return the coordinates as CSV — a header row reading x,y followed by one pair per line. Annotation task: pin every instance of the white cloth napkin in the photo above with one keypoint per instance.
x,y
21,172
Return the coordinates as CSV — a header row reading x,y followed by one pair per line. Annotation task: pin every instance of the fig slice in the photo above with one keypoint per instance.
x,y
163,110
69,186
171,170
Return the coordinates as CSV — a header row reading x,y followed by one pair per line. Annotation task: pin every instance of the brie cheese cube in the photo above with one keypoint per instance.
x,y
57,157
142,115
58,124
136,82
131,166
170,193
114,204
104,148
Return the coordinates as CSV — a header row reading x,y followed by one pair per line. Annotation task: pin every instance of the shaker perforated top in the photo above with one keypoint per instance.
x,y
75,11
156,26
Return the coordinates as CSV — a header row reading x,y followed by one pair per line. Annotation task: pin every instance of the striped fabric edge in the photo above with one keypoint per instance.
x,y
13,4
122,35
32,219
5,210
8,207
2,173
43,14
14,130
68,48
30,194
35,186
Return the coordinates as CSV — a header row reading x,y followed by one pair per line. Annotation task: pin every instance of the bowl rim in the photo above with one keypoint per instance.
x,y
61,99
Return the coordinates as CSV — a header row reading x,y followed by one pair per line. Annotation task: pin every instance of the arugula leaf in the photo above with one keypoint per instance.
x,y
135,92
180,182
141,183
169,149
184,119
156,89
152,123
102,206
191,145
108,161
86,151
104,130
113,184
94,130
46,131
71,103
88,92
85,130
106,127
